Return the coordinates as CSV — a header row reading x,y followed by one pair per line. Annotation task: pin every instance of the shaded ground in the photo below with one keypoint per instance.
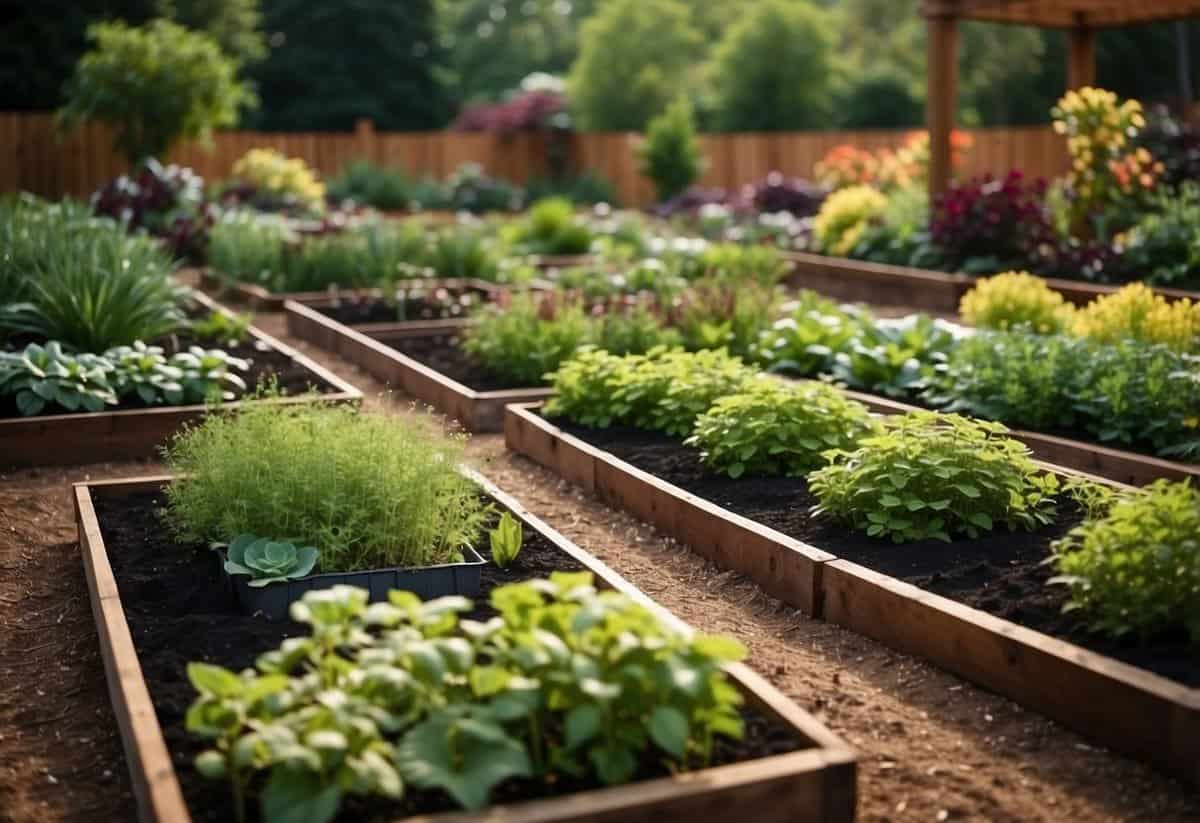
x,y
932,747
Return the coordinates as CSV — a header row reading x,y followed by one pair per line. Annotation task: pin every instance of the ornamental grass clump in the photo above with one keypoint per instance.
x,y
1136,569
368,492
772,427
931,475
1016,298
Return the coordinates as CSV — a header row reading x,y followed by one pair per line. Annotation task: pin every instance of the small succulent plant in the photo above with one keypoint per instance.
x,y
268,561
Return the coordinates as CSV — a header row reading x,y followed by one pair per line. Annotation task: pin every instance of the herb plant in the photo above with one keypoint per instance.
x,y
551,227
930,475
247,248
524,340
225,328
1136,569
371,492
773,427
564,681
506,540
268,561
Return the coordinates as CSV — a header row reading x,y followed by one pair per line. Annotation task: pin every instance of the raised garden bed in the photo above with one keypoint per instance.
x,y
153,617
1104,461
934,291
259,298
422,361
978,610
129,433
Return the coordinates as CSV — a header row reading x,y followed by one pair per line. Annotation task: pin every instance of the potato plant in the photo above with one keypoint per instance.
x,y
930,475
565,681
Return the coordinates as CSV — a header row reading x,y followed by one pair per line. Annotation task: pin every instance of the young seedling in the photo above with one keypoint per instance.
x,y
506,540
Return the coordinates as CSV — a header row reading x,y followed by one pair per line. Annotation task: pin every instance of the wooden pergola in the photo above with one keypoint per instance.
x,y
1080,18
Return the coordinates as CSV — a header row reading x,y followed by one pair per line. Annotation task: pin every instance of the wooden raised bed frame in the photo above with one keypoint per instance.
x,y
477,411
259,298
93,437
814,784
934,291
1118,705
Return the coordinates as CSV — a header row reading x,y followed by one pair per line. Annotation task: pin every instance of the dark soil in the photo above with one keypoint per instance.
x,y
426,304
1002,573
266,365
443,353
179,609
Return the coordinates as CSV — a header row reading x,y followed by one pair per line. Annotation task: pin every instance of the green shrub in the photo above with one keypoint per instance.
x,y
93,287
551,227
728,263
774,427
581,189
464,251
381,187
893,356
523,341
154,85
845,216
367,491
930,475
245,248
804,340
636,330
564,682
670,156
663,390
1163,248
715,314
1136,569
899,235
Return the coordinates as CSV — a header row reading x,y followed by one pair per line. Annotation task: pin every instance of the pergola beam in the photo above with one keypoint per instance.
x,y
941,97
1081,56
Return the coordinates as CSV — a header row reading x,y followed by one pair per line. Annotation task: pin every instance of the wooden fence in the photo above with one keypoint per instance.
x,y
35,158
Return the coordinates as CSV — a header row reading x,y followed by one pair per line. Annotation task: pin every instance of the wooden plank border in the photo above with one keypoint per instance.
x,y
477,411
1125,708
92,437
935,291
259,298
817,783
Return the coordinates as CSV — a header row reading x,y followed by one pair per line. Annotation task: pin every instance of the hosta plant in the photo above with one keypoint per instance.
x,y
804,341
42,376
1014,299
267,561
564,682
773,427
1135,570
893,356
193,376
931,475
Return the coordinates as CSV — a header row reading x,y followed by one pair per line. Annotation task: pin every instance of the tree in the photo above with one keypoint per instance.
x,y
332,63
880,98
635,57
670,155
234,24
773,70
154,84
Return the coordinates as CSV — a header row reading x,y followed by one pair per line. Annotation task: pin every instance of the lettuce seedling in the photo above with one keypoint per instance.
x,y
268,561
506,540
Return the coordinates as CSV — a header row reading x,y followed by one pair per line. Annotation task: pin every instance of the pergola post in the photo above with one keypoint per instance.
x,y
1081,56
941,94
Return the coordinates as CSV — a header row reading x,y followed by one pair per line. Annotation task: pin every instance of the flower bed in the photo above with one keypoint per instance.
x,y
976,608
788,766
86,437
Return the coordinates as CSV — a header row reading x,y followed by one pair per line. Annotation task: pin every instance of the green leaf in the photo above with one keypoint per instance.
x,y
466,759
294,796
669,729
967,490
582,724
215,680
614,764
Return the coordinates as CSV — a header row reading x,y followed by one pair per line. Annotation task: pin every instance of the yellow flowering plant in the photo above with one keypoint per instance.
x,y
1106,170
844,216
1016,299
276,175
1136,312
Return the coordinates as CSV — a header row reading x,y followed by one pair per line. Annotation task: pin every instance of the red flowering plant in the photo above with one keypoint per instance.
x,y
985,225
525,111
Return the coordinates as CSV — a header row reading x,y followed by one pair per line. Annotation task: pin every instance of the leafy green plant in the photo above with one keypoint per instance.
x,y
227,328
893,357
773,427
551,227
1016,299
632,330
193,376
248,248
41,376
267,561
1164,246
564,681
1136,569
154,85
94,287
371,492
716,314
803,342
506,540
670,156
529,337
382,187
28,227
930,475
730,264
662,390
464,251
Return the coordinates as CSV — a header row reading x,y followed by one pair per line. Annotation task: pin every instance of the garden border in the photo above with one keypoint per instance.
x,y
477,411
93,437
1116,704
851,280
817,784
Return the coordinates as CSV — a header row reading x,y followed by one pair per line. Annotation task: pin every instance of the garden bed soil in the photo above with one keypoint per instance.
x,y
444,354
1002,573
180,609
356,311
